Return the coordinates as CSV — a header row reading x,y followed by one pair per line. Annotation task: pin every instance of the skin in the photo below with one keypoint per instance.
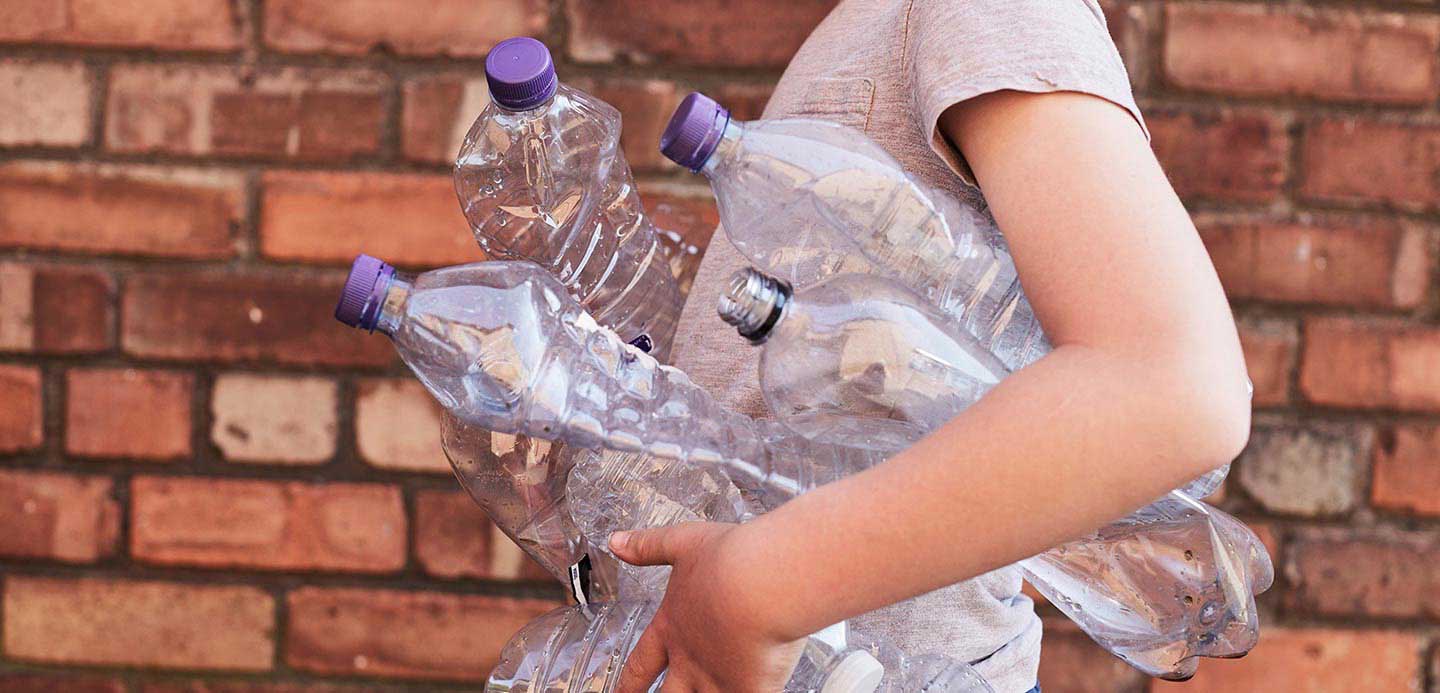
x,y
1145,390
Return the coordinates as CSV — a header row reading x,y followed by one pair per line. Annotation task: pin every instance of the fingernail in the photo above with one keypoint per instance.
x,y
619,539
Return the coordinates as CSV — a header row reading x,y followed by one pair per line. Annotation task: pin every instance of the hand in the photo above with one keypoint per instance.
x,y
710,632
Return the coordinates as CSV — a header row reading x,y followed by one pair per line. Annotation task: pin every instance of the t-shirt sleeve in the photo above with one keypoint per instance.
x,y
959,49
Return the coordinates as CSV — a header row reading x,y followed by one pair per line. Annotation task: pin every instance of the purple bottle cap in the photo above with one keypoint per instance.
x,y
694,131
364,292
520,73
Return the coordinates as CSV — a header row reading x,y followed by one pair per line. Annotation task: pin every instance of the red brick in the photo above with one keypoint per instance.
x,y
1406,474
404,219
274,419
249,687
436,113
1368,264
1371,364
645,107
1315,660
67,683
402,634
744,101
397,426
713,33
242,317
1358,161
204,110
455,539
56,516
1389,577
55,308
204,25
1070,662
123,412
425,27
261,524
1223,155
21,415
105,208
1260,50
143,624
45,103
1270,349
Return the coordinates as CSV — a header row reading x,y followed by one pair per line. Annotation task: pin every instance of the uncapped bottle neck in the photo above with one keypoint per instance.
x,y
754,303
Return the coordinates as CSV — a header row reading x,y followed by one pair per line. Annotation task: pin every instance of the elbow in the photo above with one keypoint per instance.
x,y
1215,410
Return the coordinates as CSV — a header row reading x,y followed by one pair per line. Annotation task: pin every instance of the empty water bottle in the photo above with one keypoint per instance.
x,y
861,360
808,199
541,177
579,649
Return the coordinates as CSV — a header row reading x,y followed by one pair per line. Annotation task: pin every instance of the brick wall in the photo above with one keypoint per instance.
x,y
206,484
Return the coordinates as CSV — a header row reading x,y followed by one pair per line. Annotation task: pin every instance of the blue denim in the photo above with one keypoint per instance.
x,y
1036,689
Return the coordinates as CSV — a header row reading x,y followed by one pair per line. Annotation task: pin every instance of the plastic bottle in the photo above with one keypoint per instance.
x,y
541,177
808,199
576,649
863,361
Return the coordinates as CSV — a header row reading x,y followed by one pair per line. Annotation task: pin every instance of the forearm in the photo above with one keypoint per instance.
x,y
1078,439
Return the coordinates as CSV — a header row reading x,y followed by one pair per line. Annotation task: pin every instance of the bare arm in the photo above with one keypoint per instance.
x,y
1144,390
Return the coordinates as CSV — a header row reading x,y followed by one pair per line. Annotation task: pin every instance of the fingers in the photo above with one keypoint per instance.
x,y
658,546
645,663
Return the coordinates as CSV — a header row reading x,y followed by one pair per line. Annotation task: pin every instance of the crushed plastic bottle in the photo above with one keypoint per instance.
x,y
541,177
863,361
808,199
576,649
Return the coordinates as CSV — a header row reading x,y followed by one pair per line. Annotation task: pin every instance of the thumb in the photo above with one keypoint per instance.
x,y
659,545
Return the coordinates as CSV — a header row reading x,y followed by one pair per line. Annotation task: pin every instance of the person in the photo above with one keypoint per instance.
x,y
1022,107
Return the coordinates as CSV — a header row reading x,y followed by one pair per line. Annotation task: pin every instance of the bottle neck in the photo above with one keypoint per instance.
x,y
755,304
725,149
392,306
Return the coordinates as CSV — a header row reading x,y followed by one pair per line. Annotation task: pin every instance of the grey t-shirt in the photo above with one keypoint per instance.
x,y
890,68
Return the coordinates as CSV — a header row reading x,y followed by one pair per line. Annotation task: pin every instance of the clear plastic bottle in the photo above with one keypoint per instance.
x,y
541,177
863,361
577,649
808,199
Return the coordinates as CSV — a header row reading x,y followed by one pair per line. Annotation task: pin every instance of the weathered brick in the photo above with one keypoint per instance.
x,y
1318,660
426,27
203,25
57,516
55,308
436,113
745,101
269,525
402,634
15,682
107,208
1395,577
1371,264
274,419
1406,472
249,686
242,317
21,414
144,624
1371,364
404,219
714,33
203,110
124,412
1309,471
1359,160
397,426
1263,50
1270,349
1222,155
455,539
1070,662
45,103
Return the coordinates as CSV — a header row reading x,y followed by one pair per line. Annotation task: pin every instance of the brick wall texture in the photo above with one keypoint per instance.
x,y
208,485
